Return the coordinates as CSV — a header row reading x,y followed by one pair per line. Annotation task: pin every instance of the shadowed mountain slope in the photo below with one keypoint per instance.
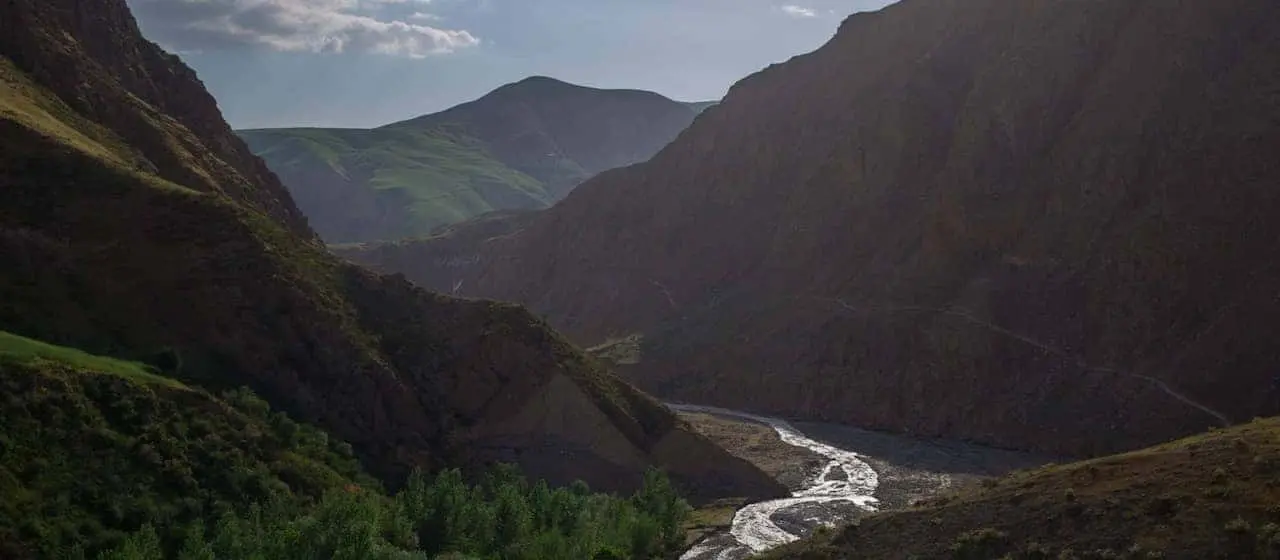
x,y
134,224
1045,225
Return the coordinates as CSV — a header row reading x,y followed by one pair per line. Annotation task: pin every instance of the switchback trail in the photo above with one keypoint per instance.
x,y
1077,360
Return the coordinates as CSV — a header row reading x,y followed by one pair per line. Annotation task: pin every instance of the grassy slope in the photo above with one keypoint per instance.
x,y
92,447
1215,495
16,349
445,177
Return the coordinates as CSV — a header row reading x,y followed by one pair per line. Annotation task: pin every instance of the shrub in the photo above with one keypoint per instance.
x,y
502,517
979,543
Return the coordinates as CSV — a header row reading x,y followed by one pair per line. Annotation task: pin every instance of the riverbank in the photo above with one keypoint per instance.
x,y
907,469
760,445
912,469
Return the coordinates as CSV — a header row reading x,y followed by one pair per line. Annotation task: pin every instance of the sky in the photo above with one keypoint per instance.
x,y
364,63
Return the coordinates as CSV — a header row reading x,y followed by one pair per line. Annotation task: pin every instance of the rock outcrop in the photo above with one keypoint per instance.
x,y
134,224
1045,225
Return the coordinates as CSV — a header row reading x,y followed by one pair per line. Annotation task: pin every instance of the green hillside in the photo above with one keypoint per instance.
x,y
523,146
93,447
103,458
389,183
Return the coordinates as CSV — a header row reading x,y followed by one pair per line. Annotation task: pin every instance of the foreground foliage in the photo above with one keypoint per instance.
x,y
502,517
103,458
87,457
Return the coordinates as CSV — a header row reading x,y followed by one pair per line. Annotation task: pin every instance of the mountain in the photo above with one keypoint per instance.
x,y
136,226
523,146
700,106
1209,496
1041,225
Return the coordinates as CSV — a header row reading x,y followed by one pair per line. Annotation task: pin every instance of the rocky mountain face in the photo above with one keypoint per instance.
x,y
523,146
134,224
1044,225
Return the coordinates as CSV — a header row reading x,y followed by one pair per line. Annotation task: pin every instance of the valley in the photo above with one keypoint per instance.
x,y
971,280
876,248
844,474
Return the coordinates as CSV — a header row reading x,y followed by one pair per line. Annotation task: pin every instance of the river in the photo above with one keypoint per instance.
x,y
850,484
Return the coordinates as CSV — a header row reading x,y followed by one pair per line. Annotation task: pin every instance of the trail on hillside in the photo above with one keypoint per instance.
x,y
1073,358
845,478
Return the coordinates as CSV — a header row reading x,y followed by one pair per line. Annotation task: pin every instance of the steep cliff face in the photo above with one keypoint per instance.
x,y
99,64
1046,225
134,224
523,146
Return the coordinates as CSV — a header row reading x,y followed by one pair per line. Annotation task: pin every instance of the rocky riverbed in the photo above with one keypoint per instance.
x,y
837,473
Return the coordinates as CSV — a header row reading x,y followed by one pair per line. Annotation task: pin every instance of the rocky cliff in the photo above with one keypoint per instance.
x,y
134,224
523,146
1047,225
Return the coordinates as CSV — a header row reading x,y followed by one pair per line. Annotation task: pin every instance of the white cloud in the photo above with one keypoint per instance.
x,y
798,11
296,25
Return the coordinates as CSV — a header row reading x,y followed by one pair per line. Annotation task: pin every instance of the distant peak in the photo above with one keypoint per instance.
x,y
542,80
539,83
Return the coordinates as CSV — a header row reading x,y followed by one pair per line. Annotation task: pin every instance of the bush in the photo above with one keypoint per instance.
x,y
978,544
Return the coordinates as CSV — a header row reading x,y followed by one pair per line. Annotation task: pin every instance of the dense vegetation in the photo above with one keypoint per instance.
x,y
93,448
502,517
1215,495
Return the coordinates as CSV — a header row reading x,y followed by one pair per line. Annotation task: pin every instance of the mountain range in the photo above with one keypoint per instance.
x,y
523,146
151,264
1046,226
1040,225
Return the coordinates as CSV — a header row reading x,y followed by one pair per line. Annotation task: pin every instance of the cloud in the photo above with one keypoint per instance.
x,y
798,11
321,26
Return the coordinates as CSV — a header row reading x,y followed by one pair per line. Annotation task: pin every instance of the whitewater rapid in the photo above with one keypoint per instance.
x,y
845,478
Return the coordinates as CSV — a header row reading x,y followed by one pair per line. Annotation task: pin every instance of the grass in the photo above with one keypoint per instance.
x,y
87,458
25,102
22,350
443,177
711,518
1214,495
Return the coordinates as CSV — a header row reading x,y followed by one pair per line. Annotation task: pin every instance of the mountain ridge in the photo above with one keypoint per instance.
x,y
522,146
862,233
124,233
